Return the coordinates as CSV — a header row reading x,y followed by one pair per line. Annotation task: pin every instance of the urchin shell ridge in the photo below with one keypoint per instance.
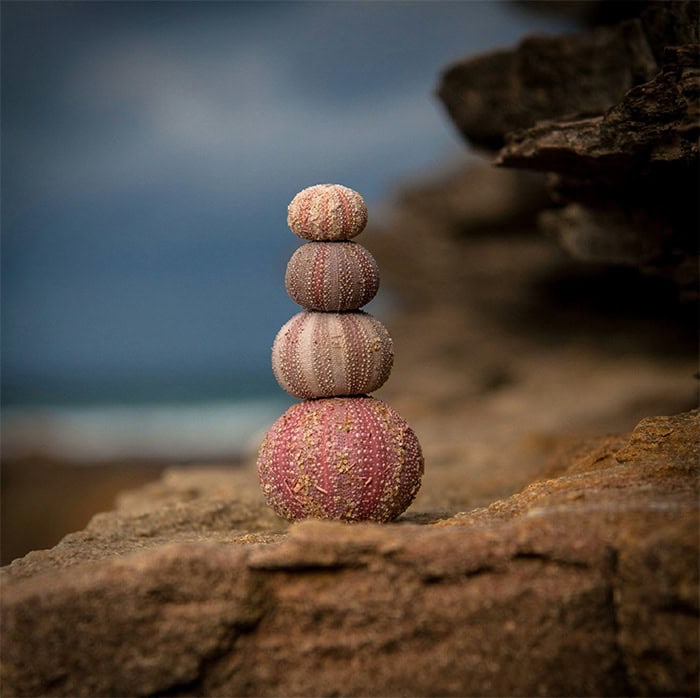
x,y
320,355
351,458
327,212
332,276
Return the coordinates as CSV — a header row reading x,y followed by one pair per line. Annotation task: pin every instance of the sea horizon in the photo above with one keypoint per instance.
x,y
103,431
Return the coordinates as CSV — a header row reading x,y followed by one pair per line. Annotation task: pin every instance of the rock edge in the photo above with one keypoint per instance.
x,y
584,584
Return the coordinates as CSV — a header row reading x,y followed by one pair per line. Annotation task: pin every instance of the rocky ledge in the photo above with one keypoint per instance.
x,y
611,114
583,583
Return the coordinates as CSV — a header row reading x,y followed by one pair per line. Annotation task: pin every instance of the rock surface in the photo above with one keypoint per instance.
x,y
613,114
520,347
582,584
653,125
495,94
545,77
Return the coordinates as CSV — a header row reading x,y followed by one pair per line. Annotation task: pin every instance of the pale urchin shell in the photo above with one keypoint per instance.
x,y
332,354
332,276
327,212
353,458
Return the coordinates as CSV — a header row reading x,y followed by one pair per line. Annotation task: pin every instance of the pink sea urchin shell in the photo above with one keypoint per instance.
x,y
332,354
327,212
332,276
343,458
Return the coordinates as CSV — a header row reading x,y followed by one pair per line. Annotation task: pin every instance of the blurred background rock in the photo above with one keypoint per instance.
x,y
150,150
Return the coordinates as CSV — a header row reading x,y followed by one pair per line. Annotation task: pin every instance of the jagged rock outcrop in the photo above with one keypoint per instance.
x,y
614,114
544,77
581,584
492,95
654,126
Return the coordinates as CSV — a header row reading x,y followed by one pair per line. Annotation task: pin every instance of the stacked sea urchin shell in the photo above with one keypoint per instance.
x,y
340,454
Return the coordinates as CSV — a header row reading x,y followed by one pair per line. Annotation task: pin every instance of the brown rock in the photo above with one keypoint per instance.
x,y
608,234
582,584
188,505
614,112
654,124
519,344
670,24
544,78
627,178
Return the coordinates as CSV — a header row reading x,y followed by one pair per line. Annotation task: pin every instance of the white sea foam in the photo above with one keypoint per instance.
x,y
98,433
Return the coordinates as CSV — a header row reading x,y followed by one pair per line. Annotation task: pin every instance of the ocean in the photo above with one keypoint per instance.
x,y
174,432
167,415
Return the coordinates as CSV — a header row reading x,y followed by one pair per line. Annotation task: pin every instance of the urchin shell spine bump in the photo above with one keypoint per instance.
x,y
320,355
353,459
327,212
332,276
340,454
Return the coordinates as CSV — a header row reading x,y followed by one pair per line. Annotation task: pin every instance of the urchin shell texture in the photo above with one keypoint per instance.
x,y
332,276
351,458
327,212
332,354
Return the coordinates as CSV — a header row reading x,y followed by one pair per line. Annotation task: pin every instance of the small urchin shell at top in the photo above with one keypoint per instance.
x,y
327,212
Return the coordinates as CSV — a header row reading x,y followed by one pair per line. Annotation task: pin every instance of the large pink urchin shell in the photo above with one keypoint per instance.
x,y
332,354
327,212
332,276
342,458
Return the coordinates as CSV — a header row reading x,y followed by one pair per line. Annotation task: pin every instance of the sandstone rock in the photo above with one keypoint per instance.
x,y
543,78
654,124
188,505
582,584
520,344
627,179
670,24
609,234
613,112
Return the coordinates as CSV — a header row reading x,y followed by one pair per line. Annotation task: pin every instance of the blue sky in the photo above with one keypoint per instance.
x,y
149,151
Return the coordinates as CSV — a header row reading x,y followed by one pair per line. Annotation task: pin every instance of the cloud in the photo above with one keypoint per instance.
x,y
236,118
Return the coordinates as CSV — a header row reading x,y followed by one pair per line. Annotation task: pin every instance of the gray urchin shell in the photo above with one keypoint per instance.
x,y
353,458
332,276
332,354
327,212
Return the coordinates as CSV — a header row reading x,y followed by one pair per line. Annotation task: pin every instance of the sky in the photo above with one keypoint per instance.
x,y
149,151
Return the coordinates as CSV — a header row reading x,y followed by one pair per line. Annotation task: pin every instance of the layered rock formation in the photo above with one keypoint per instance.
x,y
553,548
581,584
613,115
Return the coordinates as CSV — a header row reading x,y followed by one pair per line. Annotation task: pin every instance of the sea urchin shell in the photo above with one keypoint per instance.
x,y
332,354
342,458
327,212
332,276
